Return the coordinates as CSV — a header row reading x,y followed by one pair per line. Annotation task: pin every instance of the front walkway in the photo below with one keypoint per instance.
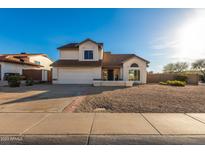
x,y
102,128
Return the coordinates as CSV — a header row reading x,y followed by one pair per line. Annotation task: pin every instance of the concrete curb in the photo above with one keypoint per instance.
x,y
103,140
102,128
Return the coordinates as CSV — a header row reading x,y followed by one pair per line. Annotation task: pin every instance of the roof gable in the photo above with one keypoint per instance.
x,y
76,45
69,45
116,60
135,56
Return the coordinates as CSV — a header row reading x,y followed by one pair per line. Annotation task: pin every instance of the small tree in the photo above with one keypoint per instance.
x,y
175,67
181,67
169,68
199,65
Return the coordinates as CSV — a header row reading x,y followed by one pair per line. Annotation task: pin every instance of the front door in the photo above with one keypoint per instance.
x,y
110,75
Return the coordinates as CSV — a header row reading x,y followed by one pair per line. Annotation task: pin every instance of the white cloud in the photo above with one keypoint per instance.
x,y
164,44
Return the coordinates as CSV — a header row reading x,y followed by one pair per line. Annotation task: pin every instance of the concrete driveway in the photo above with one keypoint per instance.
x,y
43,97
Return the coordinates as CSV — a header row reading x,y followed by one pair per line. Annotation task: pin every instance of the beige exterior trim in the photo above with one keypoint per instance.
x,y
142,67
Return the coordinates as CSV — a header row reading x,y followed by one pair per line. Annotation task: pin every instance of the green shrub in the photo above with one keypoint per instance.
x,y
181,78
163,83
29,82
176,83
14,81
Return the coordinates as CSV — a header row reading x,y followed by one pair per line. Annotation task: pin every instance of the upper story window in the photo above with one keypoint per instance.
x,y
88,54
37,62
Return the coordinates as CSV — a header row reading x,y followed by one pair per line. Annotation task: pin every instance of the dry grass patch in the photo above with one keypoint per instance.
x,y
147,98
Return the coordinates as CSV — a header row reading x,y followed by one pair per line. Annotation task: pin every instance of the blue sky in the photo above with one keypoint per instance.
x,y
145,32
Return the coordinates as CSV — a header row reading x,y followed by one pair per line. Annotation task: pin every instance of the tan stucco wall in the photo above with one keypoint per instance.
x,y
55,73
79,53
88,45
69,54
142,67
100,53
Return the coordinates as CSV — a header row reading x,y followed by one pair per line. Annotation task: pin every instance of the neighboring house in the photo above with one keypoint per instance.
x,y
35,65
81,63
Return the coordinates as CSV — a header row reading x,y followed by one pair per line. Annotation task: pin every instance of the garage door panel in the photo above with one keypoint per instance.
x,y
78,76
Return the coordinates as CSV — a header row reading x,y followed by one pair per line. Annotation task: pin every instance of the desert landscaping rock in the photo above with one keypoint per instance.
x,y
150,98
99,110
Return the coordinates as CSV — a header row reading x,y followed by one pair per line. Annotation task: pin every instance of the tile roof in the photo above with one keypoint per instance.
x,y
76,45
76,63
12,59
25,54
116,60
69,45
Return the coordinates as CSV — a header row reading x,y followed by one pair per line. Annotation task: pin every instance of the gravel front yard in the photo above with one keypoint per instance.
x,y
147,98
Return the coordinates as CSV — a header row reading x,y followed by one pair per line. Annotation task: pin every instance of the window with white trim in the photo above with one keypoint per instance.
x,y
88,54
134,75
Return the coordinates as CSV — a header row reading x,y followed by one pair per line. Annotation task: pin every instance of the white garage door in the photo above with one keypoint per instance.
x,y
78,75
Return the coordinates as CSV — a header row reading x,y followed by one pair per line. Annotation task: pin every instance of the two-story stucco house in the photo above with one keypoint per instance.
x,y
84,62
20,63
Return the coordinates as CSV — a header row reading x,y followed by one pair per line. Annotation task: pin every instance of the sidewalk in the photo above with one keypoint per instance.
x,y
102,128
